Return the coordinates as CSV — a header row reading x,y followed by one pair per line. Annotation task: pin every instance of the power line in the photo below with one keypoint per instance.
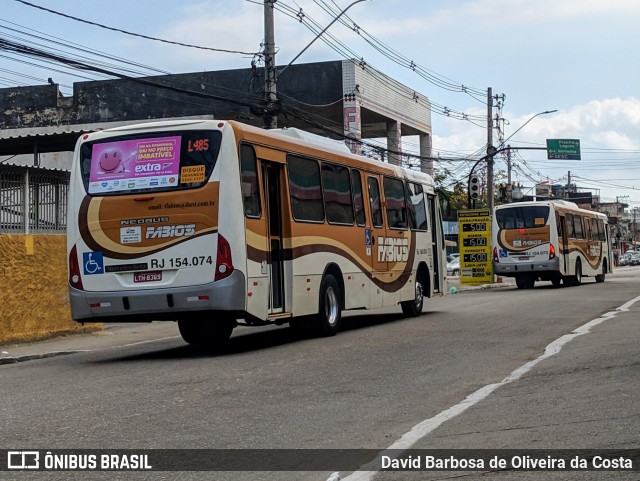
x,y
77,19
346,52
400,59
76,64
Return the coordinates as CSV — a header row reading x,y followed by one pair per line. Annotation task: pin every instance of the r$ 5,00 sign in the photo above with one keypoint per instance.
x,y
474,239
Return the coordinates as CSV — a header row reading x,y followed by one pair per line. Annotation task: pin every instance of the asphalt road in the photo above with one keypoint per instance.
x,y
365,388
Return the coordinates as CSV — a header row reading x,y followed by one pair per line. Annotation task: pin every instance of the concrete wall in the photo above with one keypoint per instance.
x,y
190,94
33,288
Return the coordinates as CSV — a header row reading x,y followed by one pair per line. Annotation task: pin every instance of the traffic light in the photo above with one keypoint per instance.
x,y
474,187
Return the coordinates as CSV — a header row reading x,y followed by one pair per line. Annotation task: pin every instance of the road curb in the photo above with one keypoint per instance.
x,y
32,357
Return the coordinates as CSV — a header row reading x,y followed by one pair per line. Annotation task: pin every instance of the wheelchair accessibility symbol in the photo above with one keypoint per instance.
x,y
93,263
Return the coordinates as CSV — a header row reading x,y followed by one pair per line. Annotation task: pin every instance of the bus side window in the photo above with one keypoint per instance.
x,y
396,208
337,194
570,229
601,232
304,189
595,235
578,227
358,199
249,182
374,200
416,207
559,225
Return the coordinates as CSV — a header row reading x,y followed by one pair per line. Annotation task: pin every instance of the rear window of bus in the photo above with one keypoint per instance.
x,y
162,161
522,217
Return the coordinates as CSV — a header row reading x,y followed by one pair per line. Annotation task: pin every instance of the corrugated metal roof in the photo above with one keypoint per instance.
x,y
58,138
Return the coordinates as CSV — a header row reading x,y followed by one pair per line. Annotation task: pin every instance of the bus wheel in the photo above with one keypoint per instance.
x,y
525,282
213,332
577,279
600,277
329,313
413,308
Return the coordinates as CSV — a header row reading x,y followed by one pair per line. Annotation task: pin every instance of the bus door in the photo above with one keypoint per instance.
x,y
271,175
437,244
378,235
563,239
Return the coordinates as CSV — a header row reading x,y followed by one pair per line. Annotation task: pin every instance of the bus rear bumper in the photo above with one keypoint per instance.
x,y
158,304
513,269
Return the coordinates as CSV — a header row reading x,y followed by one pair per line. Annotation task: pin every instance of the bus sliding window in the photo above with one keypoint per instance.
x,y
395,198
304,189
249,181
337,194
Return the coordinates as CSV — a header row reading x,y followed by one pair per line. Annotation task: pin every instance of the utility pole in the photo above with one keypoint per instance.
x,y
490,149
270,114
509,186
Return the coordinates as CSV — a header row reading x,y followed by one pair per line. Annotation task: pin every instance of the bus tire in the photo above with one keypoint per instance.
x,y
207,332
413,308
329,311
601,277
525,281
575,280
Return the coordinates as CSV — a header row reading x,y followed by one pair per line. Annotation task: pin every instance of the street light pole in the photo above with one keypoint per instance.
x,y
491,153
509,187
520,128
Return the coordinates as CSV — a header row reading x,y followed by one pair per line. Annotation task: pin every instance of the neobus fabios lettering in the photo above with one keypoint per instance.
x,y
216,223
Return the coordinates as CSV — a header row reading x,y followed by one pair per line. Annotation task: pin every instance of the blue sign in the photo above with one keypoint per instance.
x,y
93,263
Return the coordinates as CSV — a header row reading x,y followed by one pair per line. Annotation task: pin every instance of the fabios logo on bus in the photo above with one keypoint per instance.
x,y
392,249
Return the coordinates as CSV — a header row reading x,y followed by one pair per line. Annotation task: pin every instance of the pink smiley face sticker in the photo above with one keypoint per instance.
x,y
111,160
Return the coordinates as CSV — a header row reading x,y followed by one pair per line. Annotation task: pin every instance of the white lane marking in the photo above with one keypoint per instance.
x,y
420,430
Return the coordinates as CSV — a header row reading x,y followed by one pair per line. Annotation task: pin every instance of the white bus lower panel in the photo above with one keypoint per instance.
x,y
157,304
512,269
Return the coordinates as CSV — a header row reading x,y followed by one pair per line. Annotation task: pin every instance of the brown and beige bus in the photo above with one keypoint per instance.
x,y
214,222
550,241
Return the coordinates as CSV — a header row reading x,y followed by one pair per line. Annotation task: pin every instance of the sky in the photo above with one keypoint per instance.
x,y
574,56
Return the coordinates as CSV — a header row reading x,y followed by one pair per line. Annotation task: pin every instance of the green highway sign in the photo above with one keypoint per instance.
x,y
563,149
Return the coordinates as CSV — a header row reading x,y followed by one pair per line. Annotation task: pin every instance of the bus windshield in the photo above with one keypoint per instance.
x,y
150,162
522,217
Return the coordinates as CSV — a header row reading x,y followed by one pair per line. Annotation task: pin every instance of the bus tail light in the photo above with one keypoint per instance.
x,y
552,252
224,264
495,255
75,279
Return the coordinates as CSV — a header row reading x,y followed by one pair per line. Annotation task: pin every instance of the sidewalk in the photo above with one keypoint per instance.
x,y
112,335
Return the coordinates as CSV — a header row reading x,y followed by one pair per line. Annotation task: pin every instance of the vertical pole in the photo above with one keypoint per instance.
x,y
270,120
490,149
509,186
26,203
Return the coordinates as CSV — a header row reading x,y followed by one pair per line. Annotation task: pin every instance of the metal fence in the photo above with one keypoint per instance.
x,y
33,201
